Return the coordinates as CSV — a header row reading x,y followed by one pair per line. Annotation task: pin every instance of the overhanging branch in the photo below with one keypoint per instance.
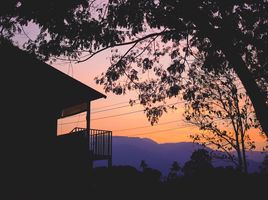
x,y
125,43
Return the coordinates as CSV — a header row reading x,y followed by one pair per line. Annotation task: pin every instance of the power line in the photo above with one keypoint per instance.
x,y
72,122
128,113
98,111
180,127
125,102
141,127
111,116
116,104
122,114
164,130
128,106
104,110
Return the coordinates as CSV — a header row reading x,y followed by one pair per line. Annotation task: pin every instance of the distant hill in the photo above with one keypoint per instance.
x,y
131,150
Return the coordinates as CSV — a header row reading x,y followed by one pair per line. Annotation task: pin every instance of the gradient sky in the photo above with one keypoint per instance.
x,y
85,72
171,127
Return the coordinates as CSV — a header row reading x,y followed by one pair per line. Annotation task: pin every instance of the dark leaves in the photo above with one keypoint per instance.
x,y
147,64
174,90
217,106
176,67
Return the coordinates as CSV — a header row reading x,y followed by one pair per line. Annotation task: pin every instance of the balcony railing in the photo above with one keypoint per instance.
x,y
99,142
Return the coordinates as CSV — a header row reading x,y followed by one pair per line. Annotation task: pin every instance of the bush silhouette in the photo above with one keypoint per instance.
x,y
200,163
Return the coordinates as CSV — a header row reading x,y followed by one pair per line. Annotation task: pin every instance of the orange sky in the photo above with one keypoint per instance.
x,y
85,72
171,127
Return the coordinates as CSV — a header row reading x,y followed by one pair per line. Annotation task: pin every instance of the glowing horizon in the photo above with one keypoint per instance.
x,y
167,130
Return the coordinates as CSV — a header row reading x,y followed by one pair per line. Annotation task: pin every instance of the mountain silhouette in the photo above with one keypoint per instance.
x,y
131,150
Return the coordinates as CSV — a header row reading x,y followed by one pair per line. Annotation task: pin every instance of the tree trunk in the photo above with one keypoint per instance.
x,y
241,132
245,164
258,100
238,150
240,160
222,39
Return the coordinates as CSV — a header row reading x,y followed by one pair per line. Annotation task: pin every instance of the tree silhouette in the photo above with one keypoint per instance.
x,y
174,170
232,32
64,30
152,176
223,31
219,107
143,165
200,163
264,165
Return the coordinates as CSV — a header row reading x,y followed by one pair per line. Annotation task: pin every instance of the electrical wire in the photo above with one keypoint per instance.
x,y
164,130
141,127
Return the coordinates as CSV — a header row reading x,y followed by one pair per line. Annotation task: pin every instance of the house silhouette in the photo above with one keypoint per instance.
x,y
34,96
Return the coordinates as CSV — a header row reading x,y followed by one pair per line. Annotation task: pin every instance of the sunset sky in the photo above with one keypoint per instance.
x,y
171,127
131,121
134,98
114,113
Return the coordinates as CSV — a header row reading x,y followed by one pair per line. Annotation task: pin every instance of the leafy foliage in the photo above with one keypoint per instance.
x,y
66,29
174,170
228,34
143,165
200,163
222,111
163,37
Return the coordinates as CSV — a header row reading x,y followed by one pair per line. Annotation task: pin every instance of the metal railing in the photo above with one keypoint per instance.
x,y
78,129
99,142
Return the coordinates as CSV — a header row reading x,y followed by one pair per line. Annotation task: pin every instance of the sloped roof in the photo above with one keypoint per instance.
x,y
43,80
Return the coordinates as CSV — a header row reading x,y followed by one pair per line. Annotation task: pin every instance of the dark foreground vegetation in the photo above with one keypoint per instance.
x,y
197,179
126,182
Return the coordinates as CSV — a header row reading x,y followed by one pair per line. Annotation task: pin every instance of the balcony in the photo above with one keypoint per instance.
x,y
99,142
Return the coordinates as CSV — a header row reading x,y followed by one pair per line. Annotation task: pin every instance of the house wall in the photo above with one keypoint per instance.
x,y
30,107
73,160
31,148
39,160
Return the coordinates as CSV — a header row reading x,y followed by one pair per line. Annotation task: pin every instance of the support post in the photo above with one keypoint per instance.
x,y
110,143
110,164
88,118
88,136
88,126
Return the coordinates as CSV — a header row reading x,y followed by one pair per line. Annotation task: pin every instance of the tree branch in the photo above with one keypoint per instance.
x,y
124,44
